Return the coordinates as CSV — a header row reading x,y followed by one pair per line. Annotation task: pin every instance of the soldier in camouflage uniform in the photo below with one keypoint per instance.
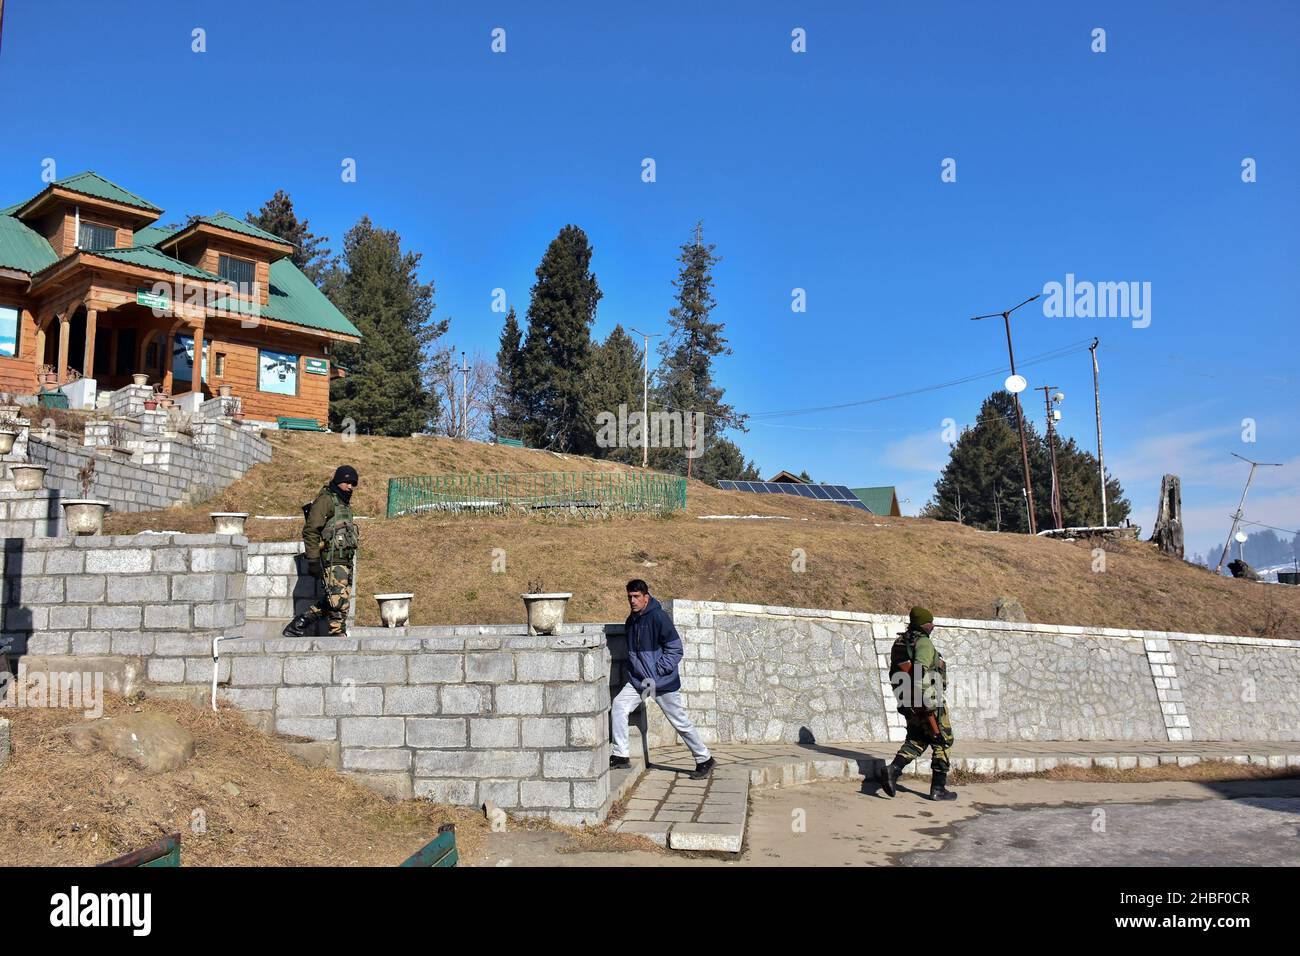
x,y
330,536
918,674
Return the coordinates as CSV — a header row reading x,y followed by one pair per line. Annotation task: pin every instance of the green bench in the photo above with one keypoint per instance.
x,y
166,852
440,852
55,399
299,424
512,442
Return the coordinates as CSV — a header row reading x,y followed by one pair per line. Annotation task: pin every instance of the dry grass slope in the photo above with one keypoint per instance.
x,y
854,561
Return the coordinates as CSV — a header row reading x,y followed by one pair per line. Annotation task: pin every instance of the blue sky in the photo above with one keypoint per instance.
x,y
817,170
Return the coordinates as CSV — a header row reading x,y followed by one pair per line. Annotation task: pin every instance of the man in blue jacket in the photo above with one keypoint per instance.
x,y
654,650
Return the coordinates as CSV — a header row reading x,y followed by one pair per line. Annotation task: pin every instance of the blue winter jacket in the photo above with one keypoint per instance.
x,y
653,649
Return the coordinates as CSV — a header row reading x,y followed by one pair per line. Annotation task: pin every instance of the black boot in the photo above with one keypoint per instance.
x,y
938,790
298,626
889,775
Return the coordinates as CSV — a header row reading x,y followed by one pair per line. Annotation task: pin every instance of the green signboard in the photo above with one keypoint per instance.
x,y
152,300
318,366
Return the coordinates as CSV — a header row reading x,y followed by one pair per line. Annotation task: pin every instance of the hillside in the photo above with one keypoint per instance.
x,y
854,561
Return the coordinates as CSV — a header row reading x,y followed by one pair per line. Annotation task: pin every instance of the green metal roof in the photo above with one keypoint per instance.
x,y
294,298
880,500
152,235
223,220
150,258
93,184
23,248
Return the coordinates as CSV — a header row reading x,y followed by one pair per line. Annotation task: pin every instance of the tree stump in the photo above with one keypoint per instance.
x,y
1168,531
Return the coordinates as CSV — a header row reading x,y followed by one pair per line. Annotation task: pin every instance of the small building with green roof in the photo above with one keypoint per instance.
x,y
93,286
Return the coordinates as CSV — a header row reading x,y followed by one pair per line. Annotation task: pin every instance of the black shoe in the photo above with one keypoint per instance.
x,y
702,770
889,775
619,763
938,790
298,626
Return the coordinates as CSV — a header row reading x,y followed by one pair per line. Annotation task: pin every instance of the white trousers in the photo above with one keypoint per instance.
x,y
627,700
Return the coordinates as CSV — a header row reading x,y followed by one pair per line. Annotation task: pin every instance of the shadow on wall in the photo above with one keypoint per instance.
x,y
17,619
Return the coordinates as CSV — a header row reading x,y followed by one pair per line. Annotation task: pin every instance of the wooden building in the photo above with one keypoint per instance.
x,y
90,285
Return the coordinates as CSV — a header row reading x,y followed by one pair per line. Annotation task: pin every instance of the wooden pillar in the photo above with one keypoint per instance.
x,y
112,352
40,343
88,366
196,383
63,348
168,346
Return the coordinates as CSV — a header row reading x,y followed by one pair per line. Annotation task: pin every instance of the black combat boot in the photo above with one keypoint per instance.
x,y
889,775
938,790
298,626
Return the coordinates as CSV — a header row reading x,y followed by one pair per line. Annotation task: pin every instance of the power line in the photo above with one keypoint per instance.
x,y
1268,526
757,418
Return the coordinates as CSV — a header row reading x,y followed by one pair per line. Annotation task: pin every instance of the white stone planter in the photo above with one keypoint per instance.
x,y
85,515
28,477
228,522
394,609
225,391
140,378
546,611
7,438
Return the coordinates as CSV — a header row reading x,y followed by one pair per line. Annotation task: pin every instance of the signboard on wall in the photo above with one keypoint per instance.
x,y
277,372
152,300
316,366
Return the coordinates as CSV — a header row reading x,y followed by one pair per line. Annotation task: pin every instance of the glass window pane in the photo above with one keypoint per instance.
x,y
8,330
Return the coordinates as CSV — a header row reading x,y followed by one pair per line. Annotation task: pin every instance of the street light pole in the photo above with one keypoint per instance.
x,y
645,400
1236,518
1055,497
1101,461
1020,421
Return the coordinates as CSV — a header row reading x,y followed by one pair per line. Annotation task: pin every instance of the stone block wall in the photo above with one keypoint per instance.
x,y
279,586
760,674
122,594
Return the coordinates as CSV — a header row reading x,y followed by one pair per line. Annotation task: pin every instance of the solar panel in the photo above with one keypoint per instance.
x,y
727,485
819,492
788,489
840,494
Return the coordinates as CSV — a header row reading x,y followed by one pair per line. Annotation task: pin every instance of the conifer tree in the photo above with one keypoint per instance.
x,y
510,409
310,254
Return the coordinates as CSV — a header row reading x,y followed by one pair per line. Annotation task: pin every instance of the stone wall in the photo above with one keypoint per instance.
x,y
279,586
122,594
759,674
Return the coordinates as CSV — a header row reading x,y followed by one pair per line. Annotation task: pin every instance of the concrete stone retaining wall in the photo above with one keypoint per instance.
x,y
278,585
123,594
759,674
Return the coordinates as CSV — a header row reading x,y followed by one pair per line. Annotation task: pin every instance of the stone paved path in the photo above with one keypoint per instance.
x,y
669,808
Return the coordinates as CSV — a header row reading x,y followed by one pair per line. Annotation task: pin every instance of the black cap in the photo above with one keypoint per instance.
x,y
345,474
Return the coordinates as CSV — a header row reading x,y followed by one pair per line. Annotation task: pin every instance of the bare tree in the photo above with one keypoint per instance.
x,y
465,394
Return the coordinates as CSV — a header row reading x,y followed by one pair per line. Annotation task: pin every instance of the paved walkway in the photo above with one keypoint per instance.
x,y
669,808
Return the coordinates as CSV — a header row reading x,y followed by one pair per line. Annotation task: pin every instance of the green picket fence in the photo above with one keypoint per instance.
x,y
571,491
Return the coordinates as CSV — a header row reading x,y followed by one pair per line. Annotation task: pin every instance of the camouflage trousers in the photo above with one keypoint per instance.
x,y
337,583
919,738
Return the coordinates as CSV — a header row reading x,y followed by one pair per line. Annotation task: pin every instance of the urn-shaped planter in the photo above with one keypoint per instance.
x,y
228,522
28,477
546,611
8,435
394,609
85,515
150,404
225,391
140,378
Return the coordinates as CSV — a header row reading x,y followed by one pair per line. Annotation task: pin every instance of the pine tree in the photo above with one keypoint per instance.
x,y
557,350
375,285
684,381
310,254
616,378
510,410
723,459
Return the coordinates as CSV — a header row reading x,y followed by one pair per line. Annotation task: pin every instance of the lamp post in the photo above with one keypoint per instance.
x,y
645,400
1053,416
1020,422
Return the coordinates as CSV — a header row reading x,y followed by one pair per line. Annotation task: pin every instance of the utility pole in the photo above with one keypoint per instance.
x,y
1020,423
645,396
464,398
1236,519
1101,461
1052,415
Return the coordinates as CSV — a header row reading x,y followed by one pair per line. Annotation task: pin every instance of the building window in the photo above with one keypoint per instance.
x,y
277,372
241,272
221,365
8,330
93,237
183,359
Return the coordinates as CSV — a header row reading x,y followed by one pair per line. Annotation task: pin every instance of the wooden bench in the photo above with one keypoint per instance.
x,y
439,852
299,424
512,442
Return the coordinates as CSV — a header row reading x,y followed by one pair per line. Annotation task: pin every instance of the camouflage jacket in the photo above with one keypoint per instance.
x,y
330,531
